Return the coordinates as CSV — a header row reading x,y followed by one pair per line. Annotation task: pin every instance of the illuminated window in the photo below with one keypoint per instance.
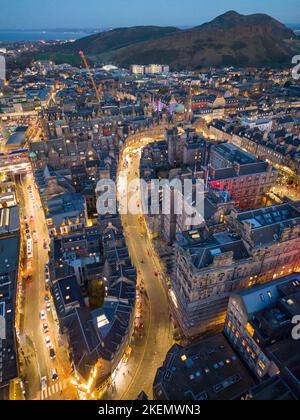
x,y
183,358
250,329
102,321
261,365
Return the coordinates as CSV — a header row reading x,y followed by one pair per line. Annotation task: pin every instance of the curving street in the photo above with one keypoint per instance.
x,y
149,353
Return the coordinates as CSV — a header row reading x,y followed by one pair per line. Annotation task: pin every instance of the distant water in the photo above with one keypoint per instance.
x,y
15,36
295,28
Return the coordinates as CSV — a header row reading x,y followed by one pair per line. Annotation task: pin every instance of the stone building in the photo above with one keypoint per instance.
x,y
257,247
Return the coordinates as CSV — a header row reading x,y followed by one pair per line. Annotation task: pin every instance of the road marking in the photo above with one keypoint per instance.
x,y
54,389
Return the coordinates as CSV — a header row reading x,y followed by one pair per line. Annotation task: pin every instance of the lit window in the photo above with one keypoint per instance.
x,y
102,321
250,329
262,365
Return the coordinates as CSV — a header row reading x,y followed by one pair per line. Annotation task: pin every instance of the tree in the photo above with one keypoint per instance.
x,y
96,292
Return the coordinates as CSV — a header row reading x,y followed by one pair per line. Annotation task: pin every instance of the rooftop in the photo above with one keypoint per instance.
x,y
208,370
18,137
66,292
234,154
269,215
9,220
9,259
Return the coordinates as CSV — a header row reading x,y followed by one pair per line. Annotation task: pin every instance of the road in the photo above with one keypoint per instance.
x,y
34,354
150,354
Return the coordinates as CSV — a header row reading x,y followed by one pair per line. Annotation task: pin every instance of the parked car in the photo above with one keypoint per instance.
x,y
48,341
54,375
44,383
42,315
52,353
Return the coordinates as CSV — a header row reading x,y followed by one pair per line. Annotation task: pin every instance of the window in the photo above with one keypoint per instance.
x,y
250,329
102,321
261,365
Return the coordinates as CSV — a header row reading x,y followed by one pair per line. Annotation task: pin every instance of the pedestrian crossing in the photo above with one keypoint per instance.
x,y
53,390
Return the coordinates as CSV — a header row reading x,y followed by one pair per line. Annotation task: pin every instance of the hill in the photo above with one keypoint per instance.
x,y
230,39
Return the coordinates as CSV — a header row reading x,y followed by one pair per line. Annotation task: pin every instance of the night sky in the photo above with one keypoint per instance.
x,y
37,14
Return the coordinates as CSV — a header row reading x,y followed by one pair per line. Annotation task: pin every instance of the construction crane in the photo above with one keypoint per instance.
x,y
98,94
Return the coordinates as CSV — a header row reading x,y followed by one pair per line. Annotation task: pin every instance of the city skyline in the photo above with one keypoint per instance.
x,y
150,204
99,14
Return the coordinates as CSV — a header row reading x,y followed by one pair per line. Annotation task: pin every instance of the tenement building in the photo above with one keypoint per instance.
x,y
259,326
244,177
258,246
9,268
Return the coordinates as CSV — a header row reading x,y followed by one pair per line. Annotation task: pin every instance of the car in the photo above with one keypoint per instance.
x,y
48,306
45,328
44,383
54,375
46,298
48,341
42,315
52,353
46,269
47,279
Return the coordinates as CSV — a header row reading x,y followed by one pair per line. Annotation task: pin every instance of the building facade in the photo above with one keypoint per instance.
x,y
257,247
